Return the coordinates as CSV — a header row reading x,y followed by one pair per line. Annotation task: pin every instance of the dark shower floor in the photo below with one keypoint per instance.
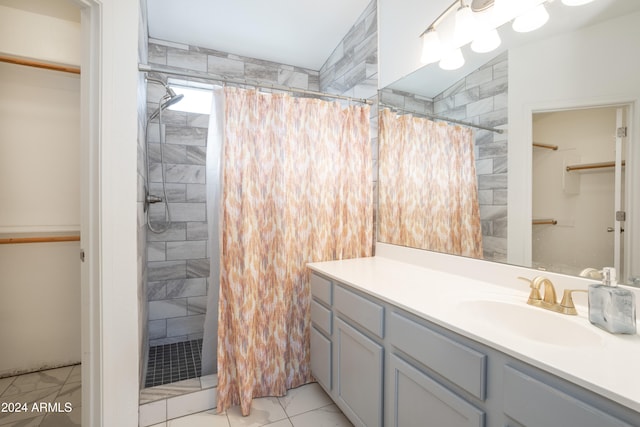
x,y
169,363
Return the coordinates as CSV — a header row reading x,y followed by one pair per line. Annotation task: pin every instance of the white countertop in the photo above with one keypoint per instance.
x,y
604,363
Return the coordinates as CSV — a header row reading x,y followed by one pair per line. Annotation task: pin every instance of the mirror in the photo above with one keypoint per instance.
x,y
586,57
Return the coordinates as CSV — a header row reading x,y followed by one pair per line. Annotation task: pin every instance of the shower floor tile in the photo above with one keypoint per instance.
x,y
170,363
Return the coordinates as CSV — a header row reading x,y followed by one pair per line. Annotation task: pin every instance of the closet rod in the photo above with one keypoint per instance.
x,y
49,239
593,166
39,64
221,79
550,147
544,222
441,118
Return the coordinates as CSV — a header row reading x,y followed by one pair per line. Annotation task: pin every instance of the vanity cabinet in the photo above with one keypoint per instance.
x,y
384,366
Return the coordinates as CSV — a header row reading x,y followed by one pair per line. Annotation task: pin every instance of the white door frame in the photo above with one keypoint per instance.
x,y
521,236
109,273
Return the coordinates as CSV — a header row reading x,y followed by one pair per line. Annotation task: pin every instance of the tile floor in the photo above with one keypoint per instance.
x,y
48,398
60,389
306,406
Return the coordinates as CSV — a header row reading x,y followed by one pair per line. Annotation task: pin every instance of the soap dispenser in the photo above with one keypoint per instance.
x,y
610,307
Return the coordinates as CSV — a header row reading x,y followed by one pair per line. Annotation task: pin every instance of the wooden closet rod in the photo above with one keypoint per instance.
x,y
593,166
39,64
547,146
49,239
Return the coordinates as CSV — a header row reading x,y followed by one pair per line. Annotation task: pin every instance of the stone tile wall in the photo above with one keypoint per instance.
x,y
142,222
178,261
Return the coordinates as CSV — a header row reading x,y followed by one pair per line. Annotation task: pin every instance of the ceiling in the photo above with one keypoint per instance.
x,y
302,33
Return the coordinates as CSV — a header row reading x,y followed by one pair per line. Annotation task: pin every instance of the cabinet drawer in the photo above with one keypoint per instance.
x,y
366,313
529,401
321,317
417,398
321,358
460,364
321,288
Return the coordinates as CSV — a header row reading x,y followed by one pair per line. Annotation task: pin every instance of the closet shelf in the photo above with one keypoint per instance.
x,y
585,166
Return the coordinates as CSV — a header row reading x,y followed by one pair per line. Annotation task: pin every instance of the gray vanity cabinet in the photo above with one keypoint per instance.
x,y
386,367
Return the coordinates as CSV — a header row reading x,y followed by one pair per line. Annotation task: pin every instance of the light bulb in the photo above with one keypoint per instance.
x,y
431,47
452,60
532,20
486,41
575,2
466,26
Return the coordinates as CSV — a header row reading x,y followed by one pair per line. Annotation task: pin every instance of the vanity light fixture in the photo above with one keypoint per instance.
x,y
531,20
476,22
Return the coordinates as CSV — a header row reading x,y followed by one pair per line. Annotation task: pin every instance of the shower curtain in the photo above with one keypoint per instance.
x,y
428,192
297,188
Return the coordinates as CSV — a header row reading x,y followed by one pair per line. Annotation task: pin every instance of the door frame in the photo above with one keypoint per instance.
x,y
108,221
523,234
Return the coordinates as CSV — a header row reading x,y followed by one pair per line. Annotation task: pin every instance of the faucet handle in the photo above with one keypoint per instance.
x,y
566,305
535,290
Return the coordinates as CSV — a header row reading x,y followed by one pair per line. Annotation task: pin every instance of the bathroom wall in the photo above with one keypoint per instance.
x,y
178,263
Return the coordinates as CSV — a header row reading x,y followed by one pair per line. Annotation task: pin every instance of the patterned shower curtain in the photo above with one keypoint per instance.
x,y
428,192
296,189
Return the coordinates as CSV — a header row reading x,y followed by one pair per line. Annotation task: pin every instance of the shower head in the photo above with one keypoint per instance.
x,y
169,99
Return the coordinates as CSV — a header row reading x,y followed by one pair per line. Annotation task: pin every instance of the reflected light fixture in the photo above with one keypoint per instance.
x,y
431,47
531,20
486,41
466,27
476,22
452,59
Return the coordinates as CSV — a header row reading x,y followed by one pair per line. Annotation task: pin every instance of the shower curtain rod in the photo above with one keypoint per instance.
x,y
221,79
441,118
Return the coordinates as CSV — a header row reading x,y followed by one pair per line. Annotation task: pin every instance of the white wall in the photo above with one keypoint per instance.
x,y
40,194
595,66
31,35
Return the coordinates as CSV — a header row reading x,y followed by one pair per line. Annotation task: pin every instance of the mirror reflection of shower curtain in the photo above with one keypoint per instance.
x,y
214,186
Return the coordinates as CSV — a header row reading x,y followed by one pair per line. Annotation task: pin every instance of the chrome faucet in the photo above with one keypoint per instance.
x,y
549,300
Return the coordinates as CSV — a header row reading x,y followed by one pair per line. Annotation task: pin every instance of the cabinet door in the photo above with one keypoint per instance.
x,y
321,358
417,400
532,402
359,364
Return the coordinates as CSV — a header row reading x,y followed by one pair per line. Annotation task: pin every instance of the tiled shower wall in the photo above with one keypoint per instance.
x,y
479,98
178,263
141,220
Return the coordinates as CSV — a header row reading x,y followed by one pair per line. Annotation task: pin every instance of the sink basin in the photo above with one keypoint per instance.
x,y
533,323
